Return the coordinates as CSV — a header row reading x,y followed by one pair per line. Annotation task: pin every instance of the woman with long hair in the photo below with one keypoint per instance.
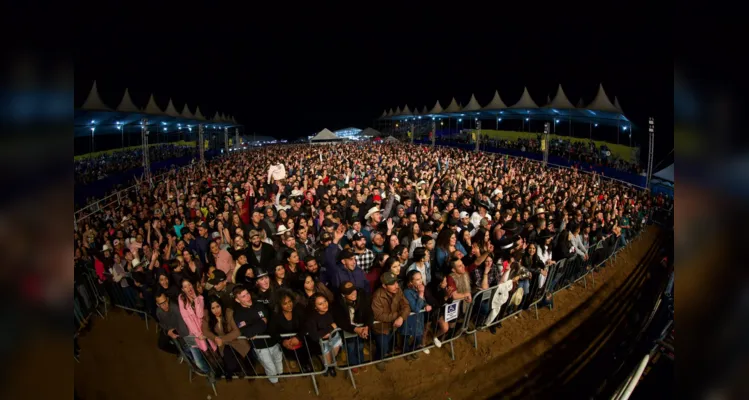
x,y
413,327
447,243
394,266
288,317
321,328
219,327
465,239
409,235
310,286
164,285
294,268
193,267
192,309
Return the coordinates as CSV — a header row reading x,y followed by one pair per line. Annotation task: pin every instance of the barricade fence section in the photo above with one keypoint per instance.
x,y
123,293
269,357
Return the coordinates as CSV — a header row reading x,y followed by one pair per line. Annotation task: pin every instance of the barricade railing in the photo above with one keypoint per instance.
x,y
123,294
266,357
421,331
87,300
501,302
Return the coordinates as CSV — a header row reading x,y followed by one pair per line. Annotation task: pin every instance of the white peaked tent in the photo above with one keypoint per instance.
x,y
216,117
424,110
580,103
496,103
126,104
186,112
560,100
384,114
93,101
472,105
666,174
453,107
406,110
416,111
436,109
525,101
223,118
601,102
370,132
233,121
152,107
390,139
170,110
325,135
617,105
198,114
390,113
397,111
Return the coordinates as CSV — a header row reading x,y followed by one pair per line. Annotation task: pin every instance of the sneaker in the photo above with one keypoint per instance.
x,y
437,343
426,351
380,367
493,329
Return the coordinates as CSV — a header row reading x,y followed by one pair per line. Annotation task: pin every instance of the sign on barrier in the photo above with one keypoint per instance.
x,y
451,312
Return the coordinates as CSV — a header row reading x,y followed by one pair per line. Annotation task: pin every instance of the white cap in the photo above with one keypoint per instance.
x,y
463,214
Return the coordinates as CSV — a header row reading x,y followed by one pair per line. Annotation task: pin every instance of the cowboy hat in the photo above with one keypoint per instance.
x,y
282,229
517,297
540,210
371,212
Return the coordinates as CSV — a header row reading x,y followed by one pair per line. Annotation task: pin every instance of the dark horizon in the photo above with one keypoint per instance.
x,y
305,78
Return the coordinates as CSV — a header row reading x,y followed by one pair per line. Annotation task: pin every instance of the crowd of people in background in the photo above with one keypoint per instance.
x,y
323,241
92,169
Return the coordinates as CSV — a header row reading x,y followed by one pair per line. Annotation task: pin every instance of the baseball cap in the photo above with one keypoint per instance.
x,y
215,235
388,278
326,237
260,272
357,236
463,214
347,288
376,198
218,277
254,233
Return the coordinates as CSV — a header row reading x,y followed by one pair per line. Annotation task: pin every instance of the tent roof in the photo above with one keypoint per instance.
x,y
397,111
667,174
406,111
453,107
170,110
384,113
424,110
437,108
601,102
152,108
325,134
390,139
198,114
472,105
390,113
617,105
233,121
496,103
560,100
370,132
186,112
126,104
580,103
93,101
525,101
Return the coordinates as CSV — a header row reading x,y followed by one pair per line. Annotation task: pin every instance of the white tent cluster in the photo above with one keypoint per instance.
x,y
94,103
560,105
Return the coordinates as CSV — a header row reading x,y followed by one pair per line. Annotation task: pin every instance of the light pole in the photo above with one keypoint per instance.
x,y
92,139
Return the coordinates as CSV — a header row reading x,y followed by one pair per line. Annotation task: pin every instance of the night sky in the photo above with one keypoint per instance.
x,y
293,75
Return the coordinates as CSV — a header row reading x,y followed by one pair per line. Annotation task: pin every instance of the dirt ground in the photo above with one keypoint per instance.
x,y
119,358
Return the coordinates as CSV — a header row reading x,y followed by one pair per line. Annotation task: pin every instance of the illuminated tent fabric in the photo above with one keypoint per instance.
x,y
496,103
233,121
666,174
186,112
170,110
416,111
436,109
93,101
390,113
390,139
406,111
617,105
580,103
560,100
601,102
525,101
397,111
472,105
152,108
216,117
126,104
198,114
453,107
424,110
384,114
370,132
325,135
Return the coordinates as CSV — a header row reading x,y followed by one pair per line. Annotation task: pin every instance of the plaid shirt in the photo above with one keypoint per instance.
x,y
365,260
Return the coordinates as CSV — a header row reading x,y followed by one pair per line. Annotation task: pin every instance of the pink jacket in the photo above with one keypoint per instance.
x,y
225,262
194,321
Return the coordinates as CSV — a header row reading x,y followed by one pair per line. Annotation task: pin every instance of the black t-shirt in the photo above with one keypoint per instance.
x,y
250,322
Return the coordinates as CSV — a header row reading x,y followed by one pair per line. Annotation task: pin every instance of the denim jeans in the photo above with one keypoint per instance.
x,y
354,350
383,344
198,358
407,348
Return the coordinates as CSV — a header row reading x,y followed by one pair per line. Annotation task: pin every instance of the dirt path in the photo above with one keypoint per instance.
x,y
120,360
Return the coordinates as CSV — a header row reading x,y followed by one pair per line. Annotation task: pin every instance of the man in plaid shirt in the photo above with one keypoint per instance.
x,y
364,256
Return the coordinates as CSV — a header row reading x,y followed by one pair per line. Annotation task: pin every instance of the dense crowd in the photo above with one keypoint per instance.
x,y
316,241
91,169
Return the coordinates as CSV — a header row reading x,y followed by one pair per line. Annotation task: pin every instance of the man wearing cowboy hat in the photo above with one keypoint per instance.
x,y
373,218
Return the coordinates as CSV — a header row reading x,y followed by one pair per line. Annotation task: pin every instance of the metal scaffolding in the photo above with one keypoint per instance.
x,y
434,132
651,145
545,143
201,144
478,134
226,140
144,145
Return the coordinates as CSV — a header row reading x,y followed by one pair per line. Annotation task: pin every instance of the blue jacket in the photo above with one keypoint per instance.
x,y
342,274
414,325
442,256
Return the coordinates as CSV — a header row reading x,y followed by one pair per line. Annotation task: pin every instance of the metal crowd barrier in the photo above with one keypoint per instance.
x,y
269,362
124,295
87,300
416,334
